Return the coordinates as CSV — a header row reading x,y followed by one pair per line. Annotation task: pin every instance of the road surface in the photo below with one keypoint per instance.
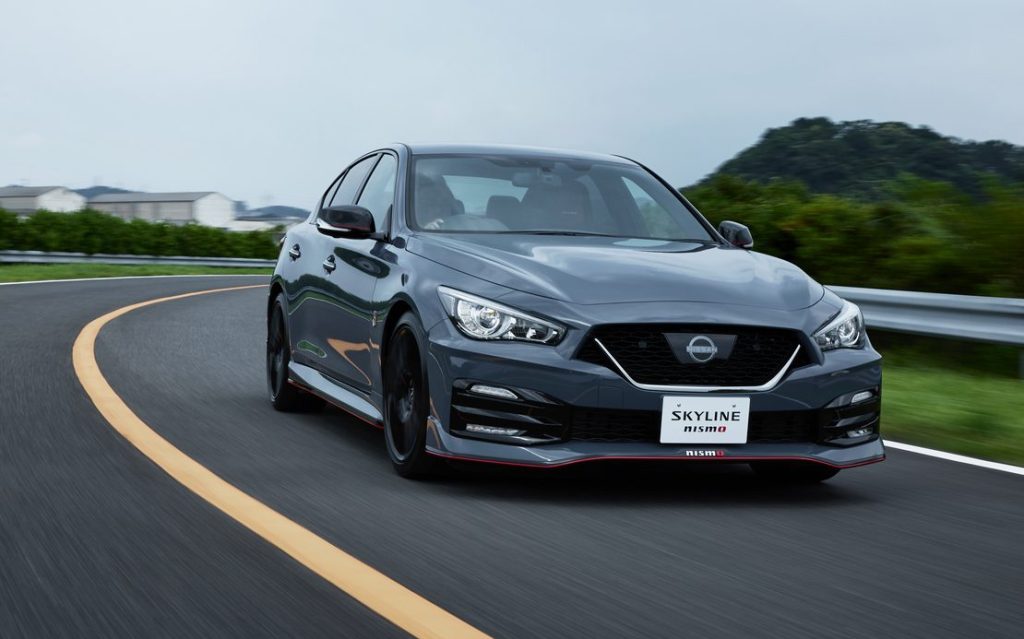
x,y
96,540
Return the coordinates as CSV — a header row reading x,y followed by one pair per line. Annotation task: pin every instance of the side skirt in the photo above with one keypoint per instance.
x,y
348,400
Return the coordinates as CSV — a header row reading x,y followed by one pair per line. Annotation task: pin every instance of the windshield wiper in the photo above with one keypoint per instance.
x,y
625,237
572,233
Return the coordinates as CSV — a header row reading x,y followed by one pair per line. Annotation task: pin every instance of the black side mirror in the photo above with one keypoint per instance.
x,y
736,234
345,221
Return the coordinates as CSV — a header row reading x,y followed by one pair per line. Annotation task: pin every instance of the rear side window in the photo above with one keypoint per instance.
x,y
379,192
349,187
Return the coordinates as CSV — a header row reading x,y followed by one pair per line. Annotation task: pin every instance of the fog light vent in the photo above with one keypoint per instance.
x,y
493,391
493,430
859,432
862,396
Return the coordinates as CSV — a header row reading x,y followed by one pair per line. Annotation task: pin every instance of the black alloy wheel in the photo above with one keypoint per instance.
x,y
407,400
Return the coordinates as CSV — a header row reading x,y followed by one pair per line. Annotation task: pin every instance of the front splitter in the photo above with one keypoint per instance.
x,y
443,444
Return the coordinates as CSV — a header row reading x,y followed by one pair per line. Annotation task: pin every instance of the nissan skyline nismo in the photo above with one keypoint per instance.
x,y
540,308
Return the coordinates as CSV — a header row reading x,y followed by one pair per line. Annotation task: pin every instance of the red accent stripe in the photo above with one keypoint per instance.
x,y
654,458
330,401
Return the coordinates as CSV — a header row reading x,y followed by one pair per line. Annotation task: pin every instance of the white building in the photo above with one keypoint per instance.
x,y
24,200
208,208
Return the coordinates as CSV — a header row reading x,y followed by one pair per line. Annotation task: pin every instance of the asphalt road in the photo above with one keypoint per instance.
x,y
95,540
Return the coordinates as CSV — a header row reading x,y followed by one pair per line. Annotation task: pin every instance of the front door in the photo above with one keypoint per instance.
x,y
314,319
349,274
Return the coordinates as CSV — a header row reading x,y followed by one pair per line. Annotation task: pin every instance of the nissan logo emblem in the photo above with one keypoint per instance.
x,y
701,349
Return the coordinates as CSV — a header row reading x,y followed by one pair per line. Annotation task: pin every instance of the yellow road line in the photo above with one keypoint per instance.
x,y
376,591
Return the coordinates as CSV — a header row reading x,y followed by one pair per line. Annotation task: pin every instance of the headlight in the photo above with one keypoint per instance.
x,y
483,319
845,330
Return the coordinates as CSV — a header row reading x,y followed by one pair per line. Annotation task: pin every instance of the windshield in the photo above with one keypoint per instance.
x,y
500,194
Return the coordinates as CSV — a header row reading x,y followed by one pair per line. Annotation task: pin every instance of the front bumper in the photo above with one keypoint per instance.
x,y
560,388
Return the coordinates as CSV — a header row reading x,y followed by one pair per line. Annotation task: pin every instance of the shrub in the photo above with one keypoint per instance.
x,y
95,232
923,236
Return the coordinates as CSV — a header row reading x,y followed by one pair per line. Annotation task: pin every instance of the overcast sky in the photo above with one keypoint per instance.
x,y
267,101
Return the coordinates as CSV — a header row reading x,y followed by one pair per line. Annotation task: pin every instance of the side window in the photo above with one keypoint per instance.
x,y
379,193
349,187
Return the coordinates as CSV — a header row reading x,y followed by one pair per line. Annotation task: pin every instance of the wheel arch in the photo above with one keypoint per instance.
x,y
276,288
399,307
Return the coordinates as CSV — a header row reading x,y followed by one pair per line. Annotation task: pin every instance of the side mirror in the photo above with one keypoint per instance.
x,y
736,234
345,221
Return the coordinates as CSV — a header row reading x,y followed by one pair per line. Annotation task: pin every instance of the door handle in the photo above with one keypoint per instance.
x,y
329,264
294,252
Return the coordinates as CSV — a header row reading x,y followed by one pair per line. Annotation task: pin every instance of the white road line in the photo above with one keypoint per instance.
x,y
132,277
961,459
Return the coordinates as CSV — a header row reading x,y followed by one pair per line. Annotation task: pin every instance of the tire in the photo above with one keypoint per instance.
x,y
284,396
788,472
407,400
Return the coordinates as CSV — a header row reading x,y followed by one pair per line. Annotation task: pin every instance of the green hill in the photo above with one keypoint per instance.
x,y
882,205
858,158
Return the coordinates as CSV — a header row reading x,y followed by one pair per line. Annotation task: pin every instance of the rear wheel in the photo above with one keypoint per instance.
x,y
284,396
407,400
794,472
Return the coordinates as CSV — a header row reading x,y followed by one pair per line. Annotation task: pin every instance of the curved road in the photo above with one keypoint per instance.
x,y
96,540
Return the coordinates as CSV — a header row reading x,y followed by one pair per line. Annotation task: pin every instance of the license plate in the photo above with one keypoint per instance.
x,y
704,420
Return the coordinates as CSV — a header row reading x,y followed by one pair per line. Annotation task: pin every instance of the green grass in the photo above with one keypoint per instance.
x,y
33,272
958,411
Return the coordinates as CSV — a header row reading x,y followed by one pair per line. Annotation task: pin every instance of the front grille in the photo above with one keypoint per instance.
x,y
599,425
644,352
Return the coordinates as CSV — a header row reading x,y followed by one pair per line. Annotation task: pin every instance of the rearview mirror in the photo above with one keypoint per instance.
x,y
345,221
736,234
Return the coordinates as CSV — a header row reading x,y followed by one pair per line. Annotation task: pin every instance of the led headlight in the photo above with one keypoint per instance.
x,y
845,330
483,319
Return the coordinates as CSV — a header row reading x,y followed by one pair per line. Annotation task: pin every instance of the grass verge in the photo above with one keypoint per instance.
x,y
34,272
953,410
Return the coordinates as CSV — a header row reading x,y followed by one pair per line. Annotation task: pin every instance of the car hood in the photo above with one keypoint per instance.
x,y
599,270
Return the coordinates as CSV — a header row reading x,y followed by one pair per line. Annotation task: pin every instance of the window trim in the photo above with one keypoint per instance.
x,y
375,158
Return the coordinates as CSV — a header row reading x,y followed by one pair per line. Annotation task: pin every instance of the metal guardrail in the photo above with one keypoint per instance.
x,y
40,257
987,319
998,320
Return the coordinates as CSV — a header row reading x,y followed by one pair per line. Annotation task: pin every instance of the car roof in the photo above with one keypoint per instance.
x,y
515,151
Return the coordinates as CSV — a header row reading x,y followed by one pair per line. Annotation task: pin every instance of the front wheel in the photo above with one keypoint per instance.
x,y
407,399
793,472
